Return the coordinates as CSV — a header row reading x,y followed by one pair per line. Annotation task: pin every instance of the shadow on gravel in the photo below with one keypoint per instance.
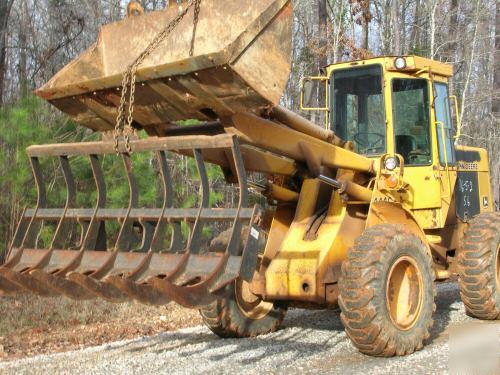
x,y
289,340
304,334
321,319
447,295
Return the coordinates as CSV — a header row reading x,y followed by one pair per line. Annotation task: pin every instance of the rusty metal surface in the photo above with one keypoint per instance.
x,y
241,61
137,265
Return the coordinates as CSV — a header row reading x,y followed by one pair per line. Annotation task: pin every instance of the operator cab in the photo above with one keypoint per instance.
x,y
405,98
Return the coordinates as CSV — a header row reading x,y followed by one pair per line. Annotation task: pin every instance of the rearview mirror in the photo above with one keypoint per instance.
x,y
307,93
310,87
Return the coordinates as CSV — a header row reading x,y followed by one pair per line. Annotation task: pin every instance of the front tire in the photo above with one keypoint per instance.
x,y
387,292
242,314
479,267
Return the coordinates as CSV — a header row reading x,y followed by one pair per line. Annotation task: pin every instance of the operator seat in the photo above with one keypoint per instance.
x,y
405,144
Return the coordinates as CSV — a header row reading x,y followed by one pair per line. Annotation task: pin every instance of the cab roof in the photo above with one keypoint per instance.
x,y
413,64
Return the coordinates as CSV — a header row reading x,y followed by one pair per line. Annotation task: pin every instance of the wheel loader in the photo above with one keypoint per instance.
x,y
365,211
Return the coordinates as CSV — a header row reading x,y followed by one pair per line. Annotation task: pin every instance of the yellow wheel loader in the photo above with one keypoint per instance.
x,y
365,213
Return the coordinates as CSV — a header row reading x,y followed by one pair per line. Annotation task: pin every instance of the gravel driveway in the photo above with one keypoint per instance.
x,y
310,342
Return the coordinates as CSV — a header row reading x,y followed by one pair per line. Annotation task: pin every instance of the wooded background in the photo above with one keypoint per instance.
x,y
38,37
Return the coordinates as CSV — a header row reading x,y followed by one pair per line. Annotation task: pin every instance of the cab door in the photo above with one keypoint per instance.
x,y
413,140
445,144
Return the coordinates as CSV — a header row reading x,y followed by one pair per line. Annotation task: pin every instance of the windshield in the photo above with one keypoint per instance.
x,y
358,108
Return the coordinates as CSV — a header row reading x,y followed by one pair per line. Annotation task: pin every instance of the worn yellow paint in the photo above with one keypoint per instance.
x,y
414,64
301,267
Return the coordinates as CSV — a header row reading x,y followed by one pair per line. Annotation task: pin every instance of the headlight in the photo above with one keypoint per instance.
x,y
400,63
390,164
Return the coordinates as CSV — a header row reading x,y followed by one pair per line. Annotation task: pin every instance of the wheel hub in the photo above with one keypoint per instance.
x,y
251,305
404,293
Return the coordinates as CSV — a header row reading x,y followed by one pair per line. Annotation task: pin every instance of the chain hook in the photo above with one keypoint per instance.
x,y
124,119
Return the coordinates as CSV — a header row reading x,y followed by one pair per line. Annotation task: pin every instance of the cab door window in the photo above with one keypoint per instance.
x,y
444,124
410,106
358,108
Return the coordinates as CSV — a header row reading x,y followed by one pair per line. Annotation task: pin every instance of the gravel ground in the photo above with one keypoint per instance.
x,y
310,342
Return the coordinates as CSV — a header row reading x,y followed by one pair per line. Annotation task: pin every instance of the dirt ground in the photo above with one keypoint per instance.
x,y
31,325
309,342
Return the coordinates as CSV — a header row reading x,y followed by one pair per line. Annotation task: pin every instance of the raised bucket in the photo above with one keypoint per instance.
x,y
241,62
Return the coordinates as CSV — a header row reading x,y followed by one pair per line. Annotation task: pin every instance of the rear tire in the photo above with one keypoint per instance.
x,y
479,267
387,292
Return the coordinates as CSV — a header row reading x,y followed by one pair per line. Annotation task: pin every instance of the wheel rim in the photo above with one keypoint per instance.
x,y
252,306
404,293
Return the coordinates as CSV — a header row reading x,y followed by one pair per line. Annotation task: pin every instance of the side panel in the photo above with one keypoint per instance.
x,y
472,190
467,195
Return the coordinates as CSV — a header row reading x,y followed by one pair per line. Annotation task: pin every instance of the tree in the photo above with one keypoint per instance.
x,y
5,8
496,66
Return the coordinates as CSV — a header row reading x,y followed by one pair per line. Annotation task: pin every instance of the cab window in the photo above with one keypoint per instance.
x,y
410,106
358,108
444,124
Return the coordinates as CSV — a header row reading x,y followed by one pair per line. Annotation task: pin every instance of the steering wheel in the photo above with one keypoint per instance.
x,y
365,143
416,154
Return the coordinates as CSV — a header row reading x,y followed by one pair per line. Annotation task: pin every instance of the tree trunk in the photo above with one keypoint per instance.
x,y
415,32
365,27
5,7
453,28
115,11
402,22
396,30
495,108
323,33
323,50
23,46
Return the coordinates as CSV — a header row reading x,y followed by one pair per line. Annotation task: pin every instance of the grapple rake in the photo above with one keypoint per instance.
x,y
148,271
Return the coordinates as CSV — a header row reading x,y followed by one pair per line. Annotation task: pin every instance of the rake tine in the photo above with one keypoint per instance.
x,y
94,239
159,234
26,232
25,281
186,296
96,231
7,287
126,233
195,238
168,191
30,235
91,282
198,295
63,286
104,290
21,229
62,227
149,229
234,241
143,293
195,232
176,243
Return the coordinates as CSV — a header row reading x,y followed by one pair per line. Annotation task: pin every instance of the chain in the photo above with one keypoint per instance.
x,y
123,122
197,5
